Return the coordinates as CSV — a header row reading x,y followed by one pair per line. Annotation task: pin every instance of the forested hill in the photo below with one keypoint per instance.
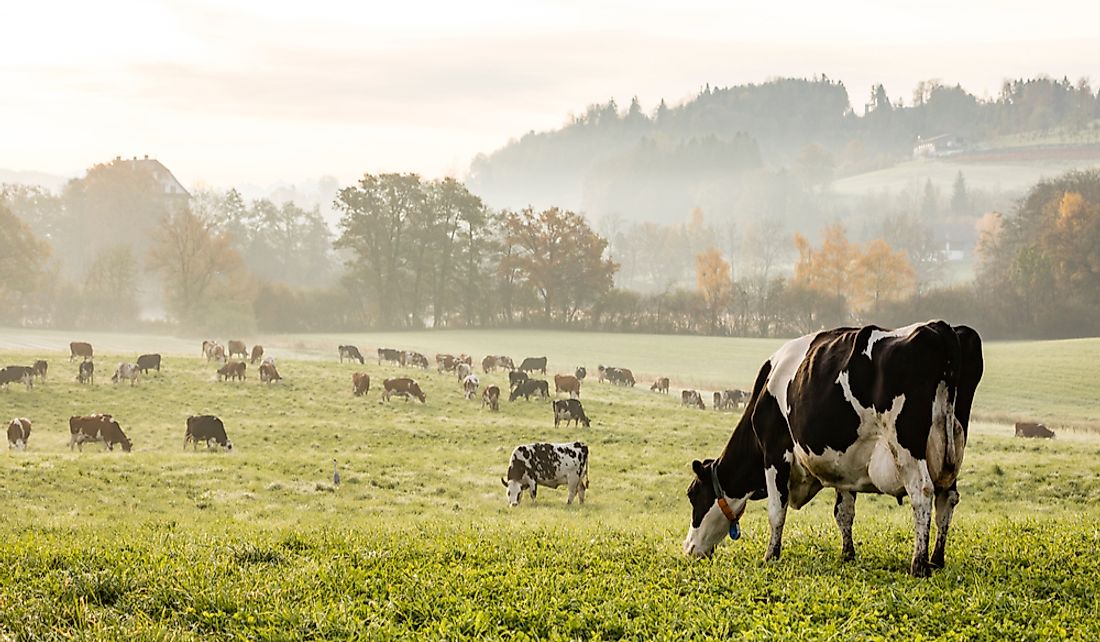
x,y
707,151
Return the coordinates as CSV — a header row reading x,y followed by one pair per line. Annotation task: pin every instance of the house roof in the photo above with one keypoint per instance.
x,y
164,177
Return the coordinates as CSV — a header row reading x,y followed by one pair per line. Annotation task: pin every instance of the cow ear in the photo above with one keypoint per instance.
x,y
503,483
699,468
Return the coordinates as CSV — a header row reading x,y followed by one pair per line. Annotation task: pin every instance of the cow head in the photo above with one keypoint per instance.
x,y
228,445
709,521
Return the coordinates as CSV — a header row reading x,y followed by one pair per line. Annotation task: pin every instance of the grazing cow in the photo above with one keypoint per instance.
x,y
126,371
861,410
1033,430
530,387
268,372
351,353
12,374
531,364
516,377
470,385
147,362
445,362
360,384
19,432
580,373
86,372
403,387
206,428
570,410
40,367
505,363
97,428
416,360
549,465
462,371
660,385
80,349
238,348
491,398
620,376
232,370
218,353
730,399
257,354
567,384
692,398
488,364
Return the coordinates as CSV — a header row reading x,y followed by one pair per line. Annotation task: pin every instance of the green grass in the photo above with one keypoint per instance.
x,y
418,542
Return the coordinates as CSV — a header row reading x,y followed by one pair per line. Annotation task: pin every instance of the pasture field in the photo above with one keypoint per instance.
x,y
417,541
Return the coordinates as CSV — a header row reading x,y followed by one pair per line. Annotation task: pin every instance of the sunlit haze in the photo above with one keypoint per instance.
x,y
261,92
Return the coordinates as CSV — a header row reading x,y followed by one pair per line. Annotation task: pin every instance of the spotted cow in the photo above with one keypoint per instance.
x,y
19,432
549,465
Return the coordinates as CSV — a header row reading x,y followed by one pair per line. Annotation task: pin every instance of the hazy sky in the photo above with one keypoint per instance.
x,y
261,91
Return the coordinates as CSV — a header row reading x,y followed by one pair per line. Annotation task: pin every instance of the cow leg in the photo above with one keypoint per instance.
x,y
844,511
946,500
573,483
534,492
918,484
777,477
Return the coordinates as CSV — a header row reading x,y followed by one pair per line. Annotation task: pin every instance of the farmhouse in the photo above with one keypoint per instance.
x,y
938,146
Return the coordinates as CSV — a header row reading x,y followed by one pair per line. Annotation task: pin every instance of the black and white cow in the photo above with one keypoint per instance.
x,y
351,353
570,410
549,465
860,410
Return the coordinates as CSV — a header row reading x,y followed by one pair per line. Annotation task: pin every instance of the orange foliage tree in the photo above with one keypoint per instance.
x,y
713,278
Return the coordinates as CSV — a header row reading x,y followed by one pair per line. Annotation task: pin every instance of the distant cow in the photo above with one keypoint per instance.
x,y
392,356
549,465
360,384
660,385
126,371
86,372
19,431
465,358
692,398
207,429
581,373
491,398
238,348
567,384
445,362
620,376
506,363
257,354
570,410
488,364
601,373
416,360
233,370
1033,430
103,428
80,349
217,353
268,372
470,385
530,387
40,367
403,387
730,399
208,349
462,371
147,362
516,377
21,374
531,364
351,353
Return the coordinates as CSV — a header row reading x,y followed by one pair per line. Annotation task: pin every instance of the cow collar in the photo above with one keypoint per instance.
x,y
720,497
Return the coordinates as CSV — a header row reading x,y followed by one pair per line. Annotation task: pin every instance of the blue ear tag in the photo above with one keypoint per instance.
x,y
735,531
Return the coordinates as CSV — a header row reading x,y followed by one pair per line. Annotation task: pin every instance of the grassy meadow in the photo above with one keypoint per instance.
x,y
417,541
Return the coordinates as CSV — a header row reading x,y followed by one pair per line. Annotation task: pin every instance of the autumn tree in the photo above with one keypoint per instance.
x,y
713,279
202,273
557,254
883,274
830,268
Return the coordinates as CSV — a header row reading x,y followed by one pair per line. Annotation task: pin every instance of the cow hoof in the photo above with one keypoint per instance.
x,y
937,561
848,555
920,569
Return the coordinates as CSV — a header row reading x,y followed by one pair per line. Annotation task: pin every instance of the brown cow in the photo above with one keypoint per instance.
x,y
567,383
491,398
257,353
19,431
97,428
360,383
238,348
1032,430
80,349
232,370
404,387
467,359
505,362
660,385
488,364
445,362
40,368
268,372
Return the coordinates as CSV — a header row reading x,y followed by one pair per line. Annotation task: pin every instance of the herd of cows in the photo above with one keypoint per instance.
x,y
858,410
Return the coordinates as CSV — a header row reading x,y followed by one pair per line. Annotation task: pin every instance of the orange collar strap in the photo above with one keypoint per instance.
x,y
728,512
